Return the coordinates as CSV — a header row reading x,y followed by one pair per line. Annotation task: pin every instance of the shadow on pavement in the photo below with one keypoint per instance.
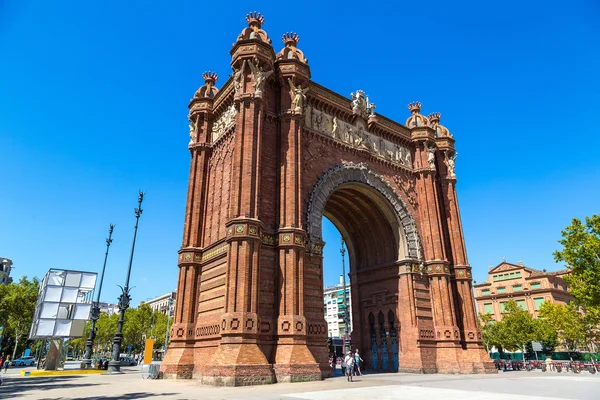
x,y
15,387
125,396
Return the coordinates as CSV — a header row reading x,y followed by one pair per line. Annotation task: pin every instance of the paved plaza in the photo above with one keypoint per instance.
x,y
521,385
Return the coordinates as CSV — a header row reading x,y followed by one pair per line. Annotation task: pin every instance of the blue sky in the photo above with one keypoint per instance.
x,y
93,100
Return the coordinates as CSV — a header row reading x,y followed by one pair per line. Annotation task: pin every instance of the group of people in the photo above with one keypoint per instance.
x,y
350,364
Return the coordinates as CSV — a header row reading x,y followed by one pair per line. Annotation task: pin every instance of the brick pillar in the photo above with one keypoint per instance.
x,y
293,359
239,360
446,333
475,357
179,360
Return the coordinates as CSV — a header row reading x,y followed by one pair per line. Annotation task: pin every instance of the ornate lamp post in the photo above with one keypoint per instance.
x,y
114,366
95,314
346,317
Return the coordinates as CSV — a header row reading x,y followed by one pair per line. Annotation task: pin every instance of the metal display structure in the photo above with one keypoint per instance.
x,y
62,307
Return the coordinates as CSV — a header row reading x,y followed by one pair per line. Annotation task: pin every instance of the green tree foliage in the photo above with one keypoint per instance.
x,y
546,334
17,305
581,253
568,323
106,327
518,327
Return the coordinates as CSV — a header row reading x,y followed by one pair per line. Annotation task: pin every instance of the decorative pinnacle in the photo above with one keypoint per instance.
x,y
210,77
290,39
255,19
415,107
434,117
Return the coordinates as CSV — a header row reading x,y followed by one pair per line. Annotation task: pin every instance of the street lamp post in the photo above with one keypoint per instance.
x,y
95,314
114,366
346,317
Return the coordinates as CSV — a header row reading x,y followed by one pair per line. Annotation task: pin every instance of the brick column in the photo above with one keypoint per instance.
x,y
475,358
293,359
239,359
446,333
179,360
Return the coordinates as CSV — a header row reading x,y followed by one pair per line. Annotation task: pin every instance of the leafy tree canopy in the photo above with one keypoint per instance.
x,y
581,253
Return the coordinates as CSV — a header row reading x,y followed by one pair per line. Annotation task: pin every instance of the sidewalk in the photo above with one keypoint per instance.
x,y
510,386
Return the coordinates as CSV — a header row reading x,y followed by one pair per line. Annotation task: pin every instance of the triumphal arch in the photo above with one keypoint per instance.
x,y
272,152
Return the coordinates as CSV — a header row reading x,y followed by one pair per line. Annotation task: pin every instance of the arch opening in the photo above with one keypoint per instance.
x,y
380,235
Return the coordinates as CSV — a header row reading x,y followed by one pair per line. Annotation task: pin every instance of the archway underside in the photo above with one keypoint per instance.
x,y
370,231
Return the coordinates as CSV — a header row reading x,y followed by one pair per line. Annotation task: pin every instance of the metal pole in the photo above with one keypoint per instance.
x,y
95,314
346,319
114,366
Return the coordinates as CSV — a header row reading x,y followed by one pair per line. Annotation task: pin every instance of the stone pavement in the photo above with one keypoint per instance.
x,y
511,385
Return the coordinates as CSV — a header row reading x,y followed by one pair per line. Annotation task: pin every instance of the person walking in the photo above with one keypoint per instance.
x,y
6,362
349,365
334,363
357,361
343,365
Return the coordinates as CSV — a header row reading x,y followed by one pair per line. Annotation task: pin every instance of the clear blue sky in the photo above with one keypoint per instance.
x,y
93,100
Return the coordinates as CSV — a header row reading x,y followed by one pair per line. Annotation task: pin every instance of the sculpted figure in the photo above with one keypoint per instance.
x,y
319,122
407,159
397,153
430,155
238,77
358,101
298,97
450,163
260,76
335,130
192,132
366,142
370,109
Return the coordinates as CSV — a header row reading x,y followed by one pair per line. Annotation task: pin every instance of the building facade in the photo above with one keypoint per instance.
x,y
528,287
164,304
5,268
108,308
335,307
272,152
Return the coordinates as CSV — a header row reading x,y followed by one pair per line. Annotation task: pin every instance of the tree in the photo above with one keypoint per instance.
x,y
581,253
518,327
106,327
545,333
17,305
567,322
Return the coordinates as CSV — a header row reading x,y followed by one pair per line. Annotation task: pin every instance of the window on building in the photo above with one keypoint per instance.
x,y
555,285
537,302
488,308
495,278
517,288
565,288
536,285
501,289
503,305
512,275
521,303
518,274
485,292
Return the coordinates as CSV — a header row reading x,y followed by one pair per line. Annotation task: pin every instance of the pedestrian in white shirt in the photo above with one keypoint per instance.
x,y
349,360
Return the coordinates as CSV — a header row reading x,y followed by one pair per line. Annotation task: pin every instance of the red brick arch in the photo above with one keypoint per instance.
x,y
347,173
